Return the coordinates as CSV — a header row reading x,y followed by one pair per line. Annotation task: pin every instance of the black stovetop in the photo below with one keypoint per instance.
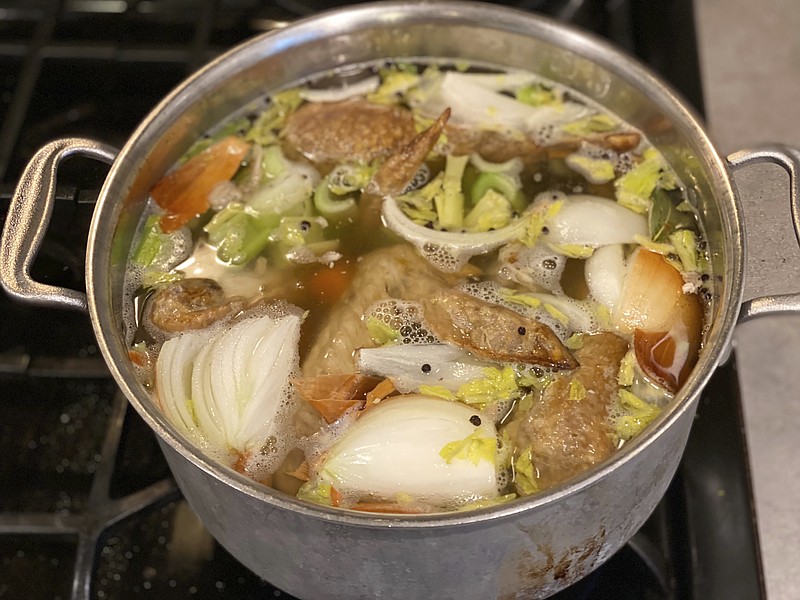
x,y
88,508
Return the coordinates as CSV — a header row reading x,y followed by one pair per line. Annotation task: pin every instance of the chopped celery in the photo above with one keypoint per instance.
x,y
539,219
496,385
150,243
285,195
556,314
626,369
595,170
273,163
395,82
519,298
508,186
331,207
381,332
599,123
238,235
640,415
685,244
537,94
299,231
450,203
492,211
525,473
232,128
344,179
418,205
575,341
437,391
316,492
486,503
577,391
658,248
264,130
634,189
572,250
473,448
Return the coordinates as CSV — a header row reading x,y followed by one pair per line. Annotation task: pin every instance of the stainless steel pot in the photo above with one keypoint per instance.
x,y
530,548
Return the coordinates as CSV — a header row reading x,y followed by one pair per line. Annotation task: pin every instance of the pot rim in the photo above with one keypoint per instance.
x,y
599,51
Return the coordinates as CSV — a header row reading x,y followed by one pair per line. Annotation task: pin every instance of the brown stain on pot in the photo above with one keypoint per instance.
x,y
570,566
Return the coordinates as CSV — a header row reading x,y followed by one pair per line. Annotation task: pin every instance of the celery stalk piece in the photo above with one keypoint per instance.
x,y
450,204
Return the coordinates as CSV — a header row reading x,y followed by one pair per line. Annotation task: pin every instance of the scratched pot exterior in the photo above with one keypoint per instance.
x,y
527,549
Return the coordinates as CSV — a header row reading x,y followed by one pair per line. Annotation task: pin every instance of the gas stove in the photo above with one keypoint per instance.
x,y
88,508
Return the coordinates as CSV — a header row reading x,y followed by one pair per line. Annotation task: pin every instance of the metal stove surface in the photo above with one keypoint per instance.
x,y
88,508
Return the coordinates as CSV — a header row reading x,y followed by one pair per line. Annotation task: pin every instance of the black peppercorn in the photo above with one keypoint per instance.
x,y
521,330
475,420
426,368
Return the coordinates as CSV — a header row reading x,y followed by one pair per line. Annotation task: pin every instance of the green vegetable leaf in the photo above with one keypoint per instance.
x,y
595,170
501,183
626,369
238,235
150,243
395,83
665,218
316,492
381,332
685,244
265,129
473,448
634,189
639,415
437,391
525,473
575,341
522,299
537,94
539,219
493,211
572,250
577,391
599,123
498,384
486,503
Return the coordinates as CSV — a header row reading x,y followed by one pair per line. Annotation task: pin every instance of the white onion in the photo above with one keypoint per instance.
x,y
605,273
360,88
475,105
448,366
594,221
509,81
228,386
448,251
394,449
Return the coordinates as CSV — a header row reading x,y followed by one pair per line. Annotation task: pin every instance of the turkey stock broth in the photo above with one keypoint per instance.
x,y
411,288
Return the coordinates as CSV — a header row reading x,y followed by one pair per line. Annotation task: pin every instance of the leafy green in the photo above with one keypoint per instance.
x,y
525,473
330,206
665,218
685,244
287,194
556,314
577,391
232,128
498,384
522,299
492,211
238,234
595,170
418,205
473,448
396,81
626,369
150,243
538,94
634,189
264,130
508,187
599,123
639,415
316,492
575,341
381,332
539,219
273,162
437,391
572,250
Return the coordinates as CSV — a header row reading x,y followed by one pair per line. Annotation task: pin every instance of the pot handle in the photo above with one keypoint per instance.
x,y
28,217
789,159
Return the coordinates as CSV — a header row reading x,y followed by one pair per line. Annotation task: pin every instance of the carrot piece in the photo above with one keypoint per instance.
x,y
183,193
387,508
336,497
330,283
301,472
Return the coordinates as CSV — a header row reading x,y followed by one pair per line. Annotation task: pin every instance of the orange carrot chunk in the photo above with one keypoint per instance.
x,y
183,193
